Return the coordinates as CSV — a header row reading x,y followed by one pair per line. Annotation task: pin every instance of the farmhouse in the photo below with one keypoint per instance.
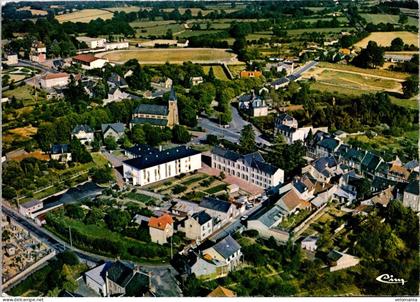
x,y
161,228
88,61
28,208
159,165
250,167
55,80
157,115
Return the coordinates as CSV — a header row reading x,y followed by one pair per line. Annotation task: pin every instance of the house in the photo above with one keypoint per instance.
x,y
398,172
183,208
253,105
279,67
95,278
279,83
323,169
327,146
30,207
115,95
286,120
370,163
160,83
38,52
267,222
11,58
92,43
353,158
221,292
157,115
122,279
115,80
161,228
291,202
227,252
196,80
250,74
411,197
339,261
250,167
159,165
83,133
309,243
61,153
88,61
55,80
198,226
222,211
383,198
115,130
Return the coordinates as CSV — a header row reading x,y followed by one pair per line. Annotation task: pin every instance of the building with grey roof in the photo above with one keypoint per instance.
x,y
115,130
411,196
222,210
250,167
83,133
225,252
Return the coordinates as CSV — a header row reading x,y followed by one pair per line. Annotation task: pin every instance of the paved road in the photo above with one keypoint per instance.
x,y
233,132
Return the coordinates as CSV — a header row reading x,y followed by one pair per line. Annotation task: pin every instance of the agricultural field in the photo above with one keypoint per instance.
x,y
385,38
385,18
85,16
172,55
126,9
24,92
236,69
156,28
34,12
218,72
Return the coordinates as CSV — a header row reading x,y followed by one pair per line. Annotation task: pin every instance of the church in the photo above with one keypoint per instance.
x,y
157,115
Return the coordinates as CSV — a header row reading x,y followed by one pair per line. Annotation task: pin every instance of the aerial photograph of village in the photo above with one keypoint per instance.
x,y
210,149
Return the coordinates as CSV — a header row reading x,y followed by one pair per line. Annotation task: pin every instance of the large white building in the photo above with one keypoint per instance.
x,y
88,61
92,43
28,208
250,167
55,80
152,165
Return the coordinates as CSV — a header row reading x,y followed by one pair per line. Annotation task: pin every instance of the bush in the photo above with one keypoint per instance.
x,y
178,189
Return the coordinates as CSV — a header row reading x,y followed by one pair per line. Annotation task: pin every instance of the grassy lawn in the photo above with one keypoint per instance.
x,y
408,103
294,32
218,72
193,180
147,200
127,9
216,189
84,16
385,38
172,55
20,93
98,161
192,33
294,220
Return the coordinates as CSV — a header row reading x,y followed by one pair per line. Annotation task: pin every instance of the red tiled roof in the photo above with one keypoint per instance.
x,y
87,58
160,222
51,76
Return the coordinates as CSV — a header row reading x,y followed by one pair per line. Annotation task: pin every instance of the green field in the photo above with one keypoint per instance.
x,y
218,72
385,18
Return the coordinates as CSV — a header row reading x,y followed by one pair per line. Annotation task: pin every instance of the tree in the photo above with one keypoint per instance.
x,y
117,220
75,212
287,157
397,44
79,152
239,44
46,136
403,19
370,57
102,175
363,186
180,134
110,143
69,257
137,135
411,87
247,140
211,77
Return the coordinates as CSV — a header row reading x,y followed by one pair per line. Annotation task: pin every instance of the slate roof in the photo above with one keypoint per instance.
x,y
201,217
160,157
80,128
120,273
172,94
370,161
411,165
60,148
118,80
30,204
98,273
117,127
355,155
272,216
254,160
280,81
152,109
413,187
381,183
215,204
141,149
284,117
324,162
227,247
135,284
329,143
151,121
334,255
285,128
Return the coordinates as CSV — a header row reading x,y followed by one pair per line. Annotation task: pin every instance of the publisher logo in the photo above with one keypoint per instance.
x,y
390,279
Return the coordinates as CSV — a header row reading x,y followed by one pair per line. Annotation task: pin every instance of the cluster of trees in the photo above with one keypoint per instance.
x,y
370,57
411,66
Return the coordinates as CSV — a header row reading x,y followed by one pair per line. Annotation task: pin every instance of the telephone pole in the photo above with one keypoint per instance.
x,y
71,243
